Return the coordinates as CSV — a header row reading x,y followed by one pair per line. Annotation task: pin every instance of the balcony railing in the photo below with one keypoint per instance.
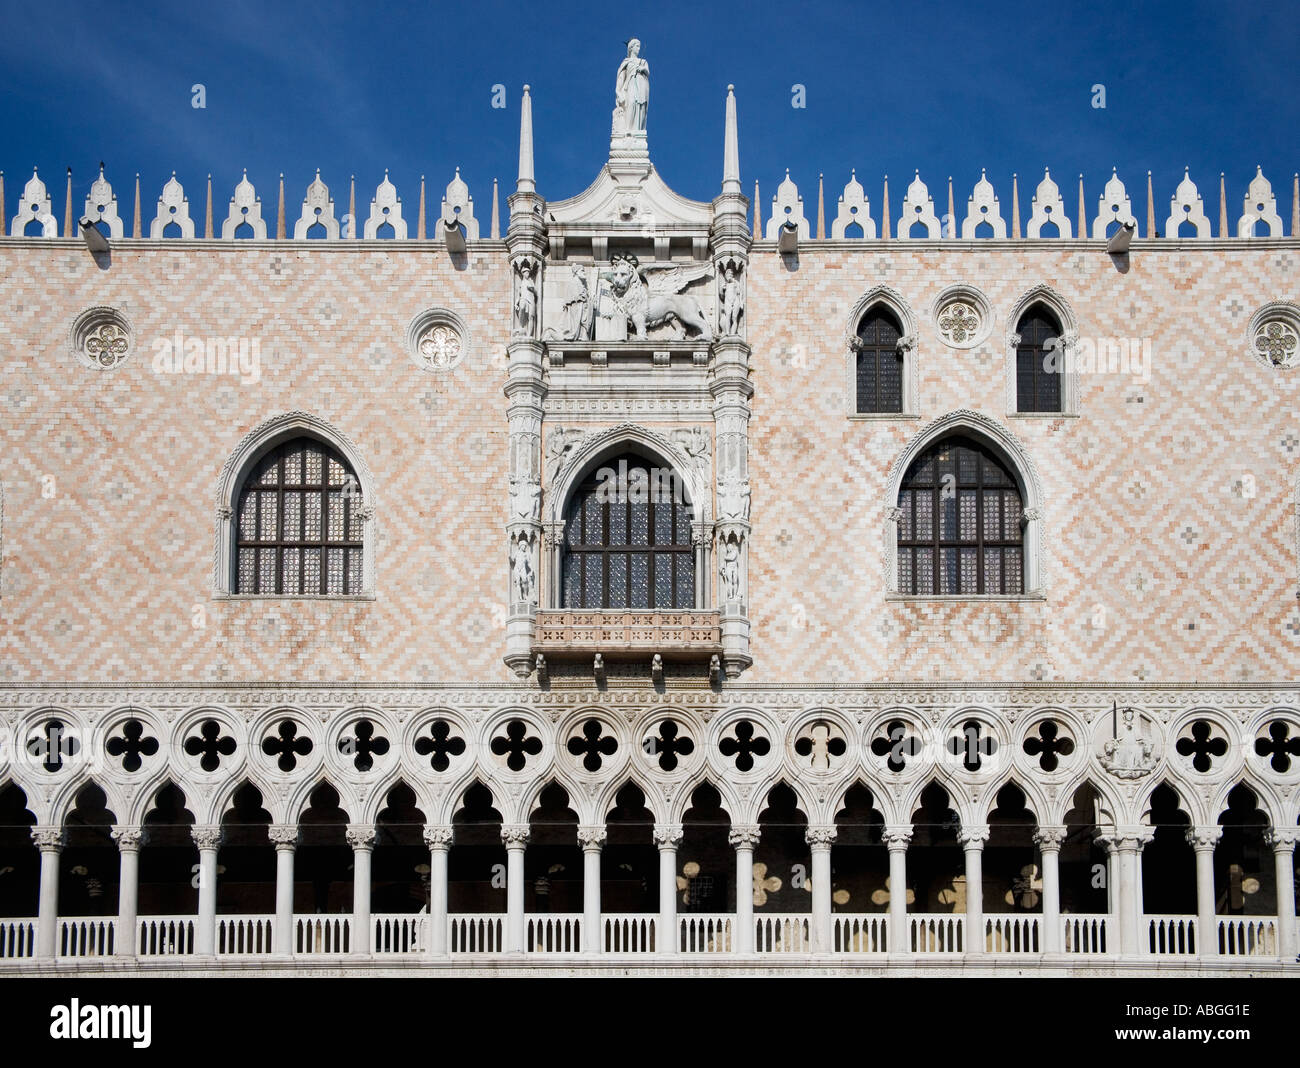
x,y
1248,936
17,939
702,933
862,933
631,932
478,932
1084,933
932,933
776,933
245,936
88,937
1170,936
620,634
553,933
1013,934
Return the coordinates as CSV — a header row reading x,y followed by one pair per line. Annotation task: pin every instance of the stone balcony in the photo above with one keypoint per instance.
x,y
619,635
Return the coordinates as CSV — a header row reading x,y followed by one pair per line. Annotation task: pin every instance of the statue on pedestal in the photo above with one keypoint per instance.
x,y
631,93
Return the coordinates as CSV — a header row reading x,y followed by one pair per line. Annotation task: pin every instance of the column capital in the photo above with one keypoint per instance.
x,y
1049,837
206,835
361,836
47,839
592,837
129,839
1204,839
667,835
1282,839
974,835
283,835
1130,839
439,835
744,835
820,835
515,834
897,836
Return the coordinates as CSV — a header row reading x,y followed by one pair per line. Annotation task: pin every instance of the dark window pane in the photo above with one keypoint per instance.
x,y
617,580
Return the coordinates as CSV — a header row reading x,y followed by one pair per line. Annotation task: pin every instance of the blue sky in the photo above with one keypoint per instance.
x,y
356,88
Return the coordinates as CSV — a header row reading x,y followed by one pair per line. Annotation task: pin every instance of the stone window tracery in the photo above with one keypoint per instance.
x,y
1039,354
879,361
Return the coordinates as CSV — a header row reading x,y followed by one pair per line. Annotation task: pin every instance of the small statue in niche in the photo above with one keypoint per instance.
x,y
525,499
730,572
522,575
577,309
733,305
525,302
631,92
1130,754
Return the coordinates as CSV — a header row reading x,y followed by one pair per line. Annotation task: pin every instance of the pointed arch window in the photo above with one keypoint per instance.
x,y
627,538
879,363
960,523
1039,376
299,524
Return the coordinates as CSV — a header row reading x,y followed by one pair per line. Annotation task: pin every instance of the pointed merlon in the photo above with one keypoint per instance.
x,y
525,182
495,232
207,219
419,219
758,218
1223,207
1151,209
884,227
67,208
1083,216
1015,207
731,148
821,207
138,224
2,203
352,206
952,212
279,215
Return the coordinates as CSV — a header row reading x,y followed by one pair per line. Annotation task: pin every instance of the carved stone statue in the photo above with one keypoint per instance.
x,y
525,302
525,499
631,92
730,569
733,498
695,443
522,576
732,305
1130,754
654,298
577,309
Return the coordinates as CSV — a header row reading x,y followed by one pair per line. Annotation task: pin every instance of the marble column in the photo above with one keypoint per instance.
x,y
972,840
49,840
1203,840
744,838
1049,840
515,836
819,838
897,836
1128,844
285,838
438,839
667,837
361,837
592,840
1283,842
208,838
129,840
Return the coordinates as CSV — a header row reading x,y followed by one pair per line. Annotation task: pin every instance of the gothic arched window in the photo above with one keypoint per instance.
x,y
627,539
879,363
1038,364
299,523
960,527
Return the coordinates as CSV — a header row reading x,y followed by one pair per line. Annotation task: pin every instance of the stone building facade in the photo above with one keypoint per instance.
x,y
958,554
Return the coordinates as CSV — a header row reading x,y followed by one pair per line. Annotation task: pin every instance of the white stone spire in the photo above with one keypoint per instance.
x,y
731,148
525,183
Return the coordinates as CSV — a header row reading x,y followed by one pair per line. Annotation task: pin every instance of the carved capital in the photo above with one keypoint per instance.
x,y
896,835
1282,839
361,835
894,515
1128,839
283,835
206,836
515,834
438,835
1050,837
129,839
667,835
591,837
47,838
820,834
744,835
1204,839
1031,515
974,836
907,342
553,535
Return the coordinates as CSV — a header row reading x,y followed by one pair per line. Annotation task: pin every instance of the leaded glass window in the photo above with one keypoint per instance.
x,y
879,363
299,523
628,540
1038,385
960,528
